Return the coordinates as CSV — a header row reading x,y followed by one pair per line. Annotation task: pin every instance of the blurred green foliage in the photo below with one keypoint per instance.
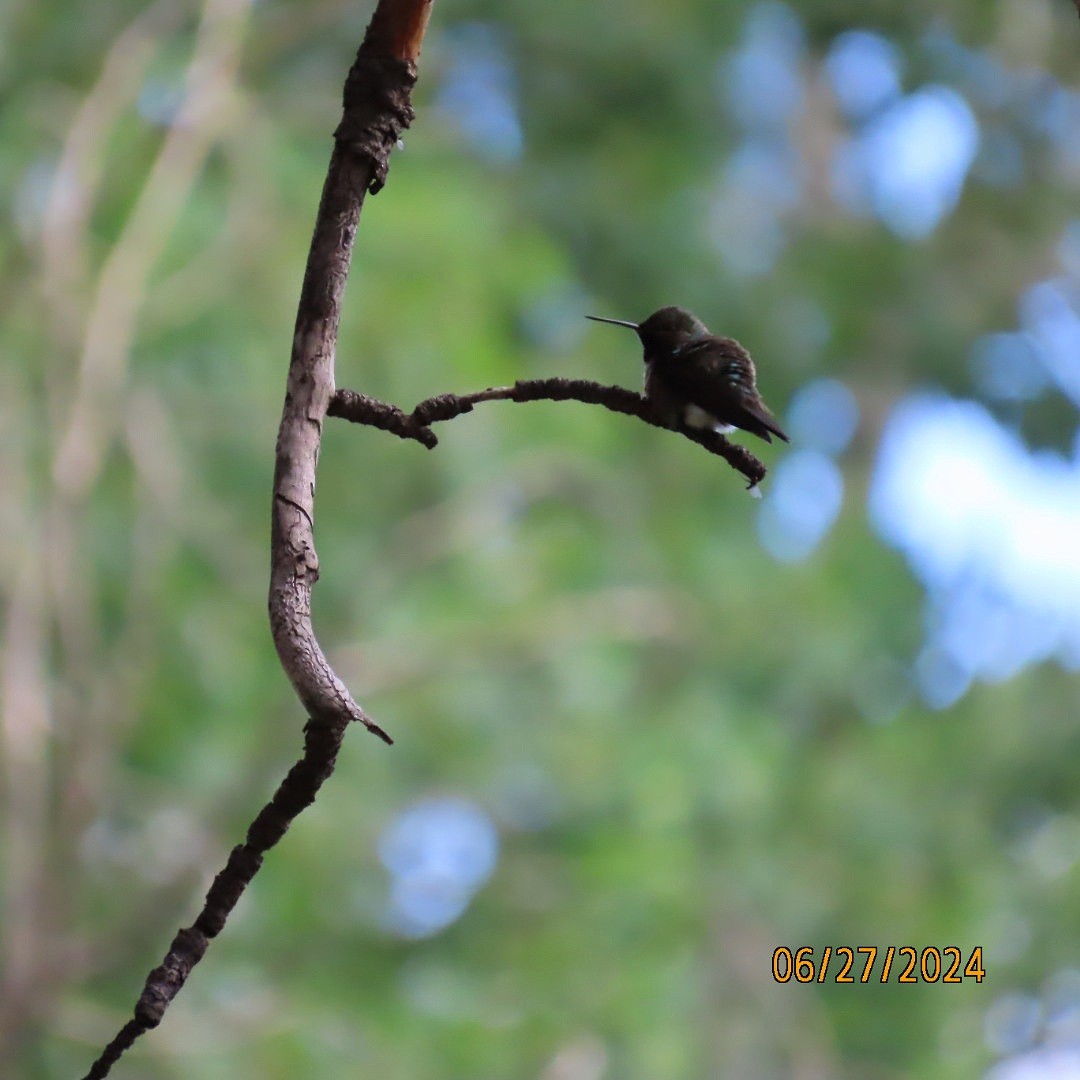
x,y
691,753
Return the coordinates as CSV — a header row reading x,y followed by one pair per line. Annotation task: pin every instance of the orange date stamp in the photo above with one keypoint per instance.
x,y
867,963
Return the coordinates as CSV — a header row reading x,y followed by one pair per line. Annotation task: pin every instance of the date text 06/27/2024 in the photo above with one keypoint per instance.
x,y
867,963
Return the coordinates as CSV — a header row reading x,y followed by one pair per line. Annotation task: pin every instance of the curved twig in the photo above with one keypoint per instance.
x,y
361,409
376,110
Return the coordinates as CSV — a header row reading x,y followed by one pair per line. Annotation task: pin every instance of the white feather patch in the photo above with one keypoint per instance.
x,y
698,418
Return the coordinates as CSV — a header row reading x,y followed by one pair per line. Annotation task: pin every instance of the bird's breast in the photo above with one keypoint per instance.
x,y
673,406
666,402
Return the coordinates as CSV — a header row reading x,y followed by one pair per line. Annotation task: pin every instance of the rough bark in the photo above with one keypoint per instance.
x,y
376,110
361,409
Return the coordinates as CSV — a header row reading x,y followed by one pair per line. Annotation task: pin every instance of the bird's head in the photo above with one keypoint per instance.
x,y
664,330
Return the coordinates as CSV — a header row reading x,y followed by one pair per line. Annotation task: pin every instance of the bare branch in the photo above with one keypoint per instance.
x,y
376,110
361,409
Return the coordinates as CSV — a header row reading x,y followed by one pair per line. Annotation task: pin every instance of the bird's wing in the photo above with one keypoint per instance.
x,y
718,375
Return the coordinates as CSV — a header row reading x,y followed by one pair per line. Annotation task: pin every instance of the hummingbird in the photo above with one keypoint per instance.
x,y
699,379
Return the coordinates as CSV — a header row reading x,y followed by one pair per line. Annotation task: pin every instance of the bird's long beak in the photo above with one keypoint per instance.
x,y
614,322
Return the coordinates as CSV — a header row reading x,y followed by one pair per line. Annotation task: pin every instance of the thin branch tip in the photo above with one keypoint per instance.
x,y
376,730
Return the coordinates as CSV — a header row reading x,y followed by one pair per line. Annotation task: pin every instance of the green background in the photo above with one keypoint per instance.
x,y
690,752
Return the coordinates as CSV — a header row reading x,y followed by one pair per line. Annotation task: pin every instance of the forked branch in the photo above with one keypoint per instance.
x,y
376,110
